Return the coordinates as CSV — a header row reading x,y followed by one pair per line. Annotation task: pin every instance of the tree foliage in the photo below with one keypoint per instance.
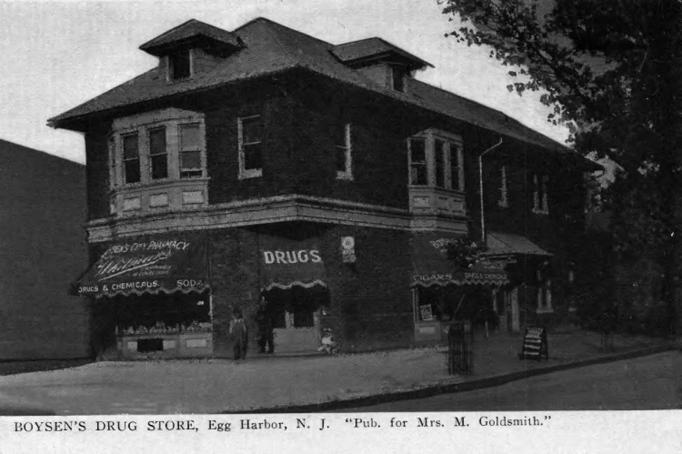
x,y
613,70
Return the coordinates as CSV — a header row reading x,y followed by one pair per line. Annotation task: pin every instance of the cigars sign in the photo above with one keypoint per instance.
x,y
147,266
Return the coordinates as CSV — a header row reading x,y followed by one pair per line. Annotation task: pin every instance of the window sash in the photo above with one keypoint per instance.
x,y
131,158
503,201
189,152
343,152
249,142
540,198
417,154
439,162
158,153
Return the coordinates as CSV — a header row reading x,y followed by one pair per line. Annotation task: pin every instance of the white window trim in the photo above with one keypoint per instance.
x,y
540,183
141,156
148,131
201,149
171,120
455,148
425,162
346,174
169,70
243,172
503,201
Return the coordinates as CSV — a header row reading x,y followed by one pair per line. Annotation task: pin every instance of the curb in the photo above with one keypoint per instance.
x,y
429,391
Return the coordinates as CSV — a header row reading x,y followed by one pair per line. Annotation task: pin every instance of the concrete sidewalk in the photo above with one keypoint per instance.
x,y
306,383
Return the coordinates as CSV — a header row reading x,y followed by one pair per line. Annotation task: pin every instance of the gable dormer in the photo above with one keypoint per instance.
x,y
381,61
191,48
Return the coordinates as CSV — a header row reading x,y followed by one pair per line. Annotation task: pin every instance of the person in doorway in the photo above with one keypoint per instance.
x,y
265,327
239,334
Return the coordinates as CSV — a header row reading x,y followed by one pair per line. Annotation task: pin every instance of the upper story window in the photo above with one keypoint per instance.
x,y
190,151
180,64
435,159
250,141
540,197
131,158
417,156
155,147
343,150
503,200
158,154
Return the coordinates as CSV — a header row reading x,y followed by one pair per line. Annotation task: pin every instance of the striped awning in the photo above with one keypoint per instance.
x,y
431,265
287,262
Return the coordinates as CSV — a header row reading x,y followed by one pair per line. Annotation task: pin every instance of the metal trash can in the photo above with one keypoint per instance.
x,y
460,351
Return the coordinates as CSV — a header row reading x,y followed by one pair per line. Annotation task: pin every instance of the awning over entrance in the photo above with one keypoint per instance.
x,y
151,264
285,262
502,244
431,265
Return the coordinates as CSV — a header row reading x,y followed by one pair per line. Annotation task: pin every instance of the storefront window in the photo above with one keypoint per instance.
x,y
162,314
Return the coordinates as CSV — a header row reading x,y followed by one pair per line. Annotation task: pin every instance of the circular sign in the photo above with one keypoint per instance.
x,y
348,242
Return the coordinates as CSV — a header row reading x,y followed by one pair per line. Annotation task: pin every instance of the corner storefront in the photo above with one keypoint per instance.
x,y
155,295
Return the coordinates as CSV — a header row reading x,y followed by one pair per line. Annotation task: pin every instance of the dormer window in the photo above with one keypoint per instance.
x,y
398,78
180,64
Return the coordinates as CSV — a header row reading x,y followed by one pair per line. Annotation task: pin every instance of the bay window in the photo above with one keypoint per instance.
x,y
435,160
157,161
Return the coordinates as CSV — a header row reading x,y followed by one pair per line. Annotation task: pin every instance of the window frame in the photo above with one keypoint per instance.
x,y
150,155
503,200
124,160
170,70
424,163
200,147
452,146
245,173
347,147
540,196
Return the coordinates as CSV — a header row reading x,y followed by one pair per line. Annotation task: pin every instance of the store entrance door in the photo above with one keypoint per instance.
x,y
295,313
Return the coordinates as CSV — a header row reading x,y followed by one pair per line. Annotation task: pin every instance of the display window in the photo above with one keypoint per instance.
x,y
162,314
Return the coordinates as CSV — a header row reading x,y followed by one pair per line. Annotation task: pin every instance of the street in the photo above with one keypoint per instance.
x,y
650,382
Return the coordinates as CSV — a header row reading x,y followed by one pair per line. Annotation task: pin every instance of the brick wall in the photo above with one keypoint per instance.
x,y
42,251
369,300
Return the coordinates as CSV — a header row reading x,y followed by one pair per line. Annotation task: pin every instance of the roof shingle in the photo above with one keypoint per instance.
x,y
268,48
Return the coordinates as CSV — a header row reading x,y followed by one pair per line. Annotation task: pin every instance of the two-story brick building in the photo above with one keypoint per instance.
x,y
266,162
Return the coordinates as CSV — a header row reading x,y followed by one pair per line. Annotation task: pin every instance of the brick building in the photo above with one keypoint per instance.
x,y
263,162
43,247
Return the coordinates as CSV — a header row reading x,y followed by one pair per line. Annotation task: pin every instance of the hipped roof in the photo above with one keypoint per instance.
x,y
269,48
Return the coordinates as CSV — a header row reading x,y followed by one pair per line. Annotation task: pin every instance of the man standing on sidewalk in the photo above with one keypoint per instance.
x,y
239,334
265,327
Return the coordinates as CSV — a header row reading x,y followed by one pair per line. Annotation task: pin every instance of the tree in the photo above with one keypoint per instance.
x,y
612,71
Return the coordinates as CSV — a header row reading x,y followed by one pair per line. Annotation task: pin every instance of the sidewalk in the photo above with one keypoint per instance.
x,y
217,385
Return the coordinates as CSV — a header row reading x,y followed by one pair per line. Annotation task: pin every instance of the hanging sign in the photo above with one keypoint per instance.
x,y
348,249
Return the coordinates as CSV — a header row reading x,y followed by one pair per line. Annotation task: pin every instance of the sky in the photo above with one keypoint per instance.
x,y
57,55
